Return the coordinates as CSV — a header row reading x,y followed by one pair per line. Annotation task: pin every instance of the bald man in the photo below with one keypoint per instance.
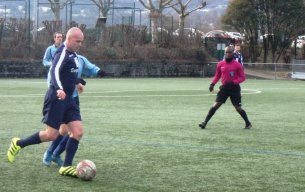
x,y
59,105
231,74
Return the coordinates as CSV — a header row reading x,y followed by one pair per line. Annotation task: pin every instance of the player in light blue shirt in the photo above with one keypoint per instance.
x,y
86,68
50,52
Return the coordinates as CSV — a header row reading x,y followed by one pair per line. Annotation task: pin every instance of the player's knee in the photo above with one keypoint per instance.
x,y
238,109
50,136
78,134
76,129
216,105
63,130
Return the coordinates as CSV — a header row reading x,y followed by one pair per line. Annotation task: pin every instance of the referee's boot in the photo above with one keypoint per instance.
x,y
248,126
202,125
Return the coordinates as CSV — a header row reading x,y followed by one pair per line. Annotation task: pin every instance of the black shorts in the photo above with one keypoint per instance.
x,y
229,91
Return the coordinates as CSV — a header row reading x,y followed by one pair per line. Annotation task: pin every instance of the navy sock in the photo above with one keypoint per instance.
x,y
61,147
71,148
55,143
31,140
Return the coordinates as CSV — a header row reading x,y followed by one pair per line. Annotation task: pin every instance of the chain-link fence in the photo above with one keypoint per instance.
x,y
127,34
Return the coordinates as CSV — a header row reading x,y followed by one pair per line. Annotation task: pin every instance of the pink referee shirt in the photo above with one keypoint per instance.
x,y
229,71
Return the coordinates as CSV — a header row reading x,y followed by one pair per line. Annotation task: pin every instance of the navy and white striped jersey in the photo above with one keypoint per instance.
x,y
239,57
64,70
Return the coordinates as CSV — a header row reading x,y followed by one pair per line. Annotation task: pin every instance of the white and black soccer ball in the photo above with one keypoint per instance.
x,y
86,170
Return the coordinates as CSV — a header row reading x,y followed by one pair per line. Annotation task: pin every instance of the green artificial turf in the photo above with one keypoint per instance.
x,y
143,135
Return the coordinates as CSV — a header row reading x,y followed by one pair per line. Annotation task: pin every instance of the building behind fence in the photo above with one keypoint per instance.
x,y
298,69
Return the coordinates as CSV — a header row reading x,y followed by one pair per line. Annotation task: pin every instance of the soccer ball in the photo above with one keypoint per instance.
x,y
86,170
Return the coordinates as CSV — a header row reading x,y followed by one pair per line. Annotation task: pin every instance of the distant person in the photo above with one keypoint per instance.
x,y
59,105
231,74
51,50
237,54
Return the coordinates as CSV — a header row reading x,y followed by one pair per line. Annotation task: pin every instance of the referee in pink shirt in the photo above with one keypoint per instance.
x,y
231,74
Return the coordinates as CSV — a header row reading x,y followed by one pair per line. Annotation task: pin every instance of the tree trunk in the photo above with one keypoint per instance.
x,y
265,50
181,27
101,26
154,15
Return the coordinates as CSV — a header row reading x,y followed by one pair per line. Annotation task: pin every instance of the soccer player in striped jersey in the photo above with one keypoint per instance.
x,y
59,105
58,146
237,54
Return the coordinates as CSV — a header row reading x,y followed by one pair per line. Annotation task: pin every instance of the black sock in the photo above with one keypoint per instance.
x,y
31,140
71,148
243,114
210,114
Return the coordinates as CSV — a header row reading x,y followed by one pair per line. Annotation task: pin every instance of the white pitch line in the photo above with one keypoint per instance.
x,y
251,91
133,96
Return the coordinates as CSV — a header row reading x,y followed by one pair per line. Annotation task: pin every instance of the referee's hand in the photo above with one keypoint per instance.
x,y
211,88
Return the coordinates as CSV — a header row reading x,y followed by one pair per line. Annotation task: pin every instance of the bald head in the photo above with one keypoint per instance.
x,y
74,39
229,52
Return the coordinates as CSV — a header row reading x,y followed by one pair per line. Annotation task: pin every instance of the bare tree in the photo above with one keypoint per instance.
x,y
104,7
183,10
56,5
155,9
278,22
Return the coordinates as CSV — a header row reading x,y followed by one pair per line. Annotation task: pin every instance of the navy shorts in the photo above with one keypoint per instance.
x,y
55,111
232,91
76,100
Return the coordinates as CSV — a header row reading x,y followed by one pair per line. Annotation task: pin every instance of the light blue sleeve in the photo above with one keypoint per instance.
x,y
79,74
89,69
85,68
47,58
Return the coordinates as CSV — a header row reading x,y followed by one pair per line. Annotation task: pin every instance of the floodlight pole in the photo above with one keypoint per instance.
x,y
72,1
29,26
35,22
112,12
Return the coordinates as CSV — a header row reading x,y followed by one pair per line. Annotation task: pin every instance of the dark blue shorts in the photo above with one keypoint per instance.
x,y
55,111
76,99
233,92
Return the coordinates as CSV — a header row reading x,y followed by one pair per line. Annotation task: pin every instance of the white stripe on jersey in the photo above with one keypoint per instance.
x,y
76,62
59,64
